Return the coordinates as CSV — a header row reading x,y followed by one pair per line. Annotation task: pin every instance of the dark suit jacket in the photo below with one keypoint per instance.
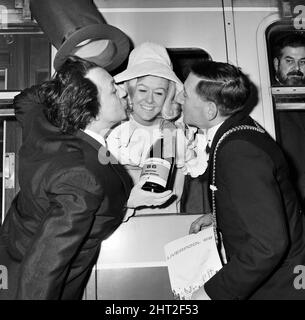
x,y
291,131
68,203
258,215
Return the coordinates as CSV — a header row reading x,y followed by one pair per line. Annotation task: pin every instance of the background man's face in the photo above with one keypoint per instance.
x,y
290,67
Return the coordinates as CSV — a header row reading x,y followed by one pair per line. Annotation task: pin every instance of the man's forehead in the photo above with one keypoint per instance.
x,y
99,76
298,52
191,81
102,72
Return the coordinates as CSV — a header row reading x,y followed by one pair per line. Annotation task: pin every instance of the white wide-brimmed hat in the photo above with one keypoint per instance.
x,y
149,59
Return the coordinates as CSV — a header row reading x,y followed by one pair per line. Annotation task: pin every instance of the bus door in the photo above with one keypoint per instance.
x,y
25,56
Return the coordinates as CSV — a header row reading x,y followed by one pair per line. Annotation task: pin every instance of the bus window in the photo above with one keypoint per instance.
x,y
3,79
25,58
183,58
286,52
188,191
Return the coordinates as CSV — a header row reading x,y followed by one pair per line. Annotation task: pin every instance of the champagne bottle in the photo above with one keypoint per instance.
x,y
159,165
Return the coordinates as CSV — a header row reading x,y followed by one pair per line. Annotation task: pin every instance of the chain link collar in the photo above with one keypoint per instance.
x,y
213,187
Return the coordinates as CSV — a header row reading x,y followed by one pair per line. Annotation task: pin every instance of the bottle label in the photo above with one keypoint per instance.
x,y
156,170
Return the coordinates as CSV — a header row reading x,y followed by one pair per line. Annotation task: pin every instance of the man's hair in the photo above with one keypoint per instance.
x,y
71,99
222,83
293,40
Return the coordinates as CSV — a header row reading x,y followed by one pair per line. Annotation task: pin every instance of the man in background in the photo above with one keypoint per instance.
x,y
289,65
289,60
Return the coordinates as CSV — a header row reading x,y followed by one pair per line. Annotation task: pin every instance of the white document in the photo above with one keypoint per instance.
x,y
191,260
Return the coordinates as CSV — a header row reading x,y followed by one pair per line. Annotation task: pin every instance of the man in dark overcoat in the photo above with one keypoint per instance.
x,y
255,211
73,193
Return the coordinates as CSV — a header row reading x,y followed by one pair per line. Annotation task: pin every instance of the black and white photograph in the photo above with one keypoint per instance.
x,y
152,152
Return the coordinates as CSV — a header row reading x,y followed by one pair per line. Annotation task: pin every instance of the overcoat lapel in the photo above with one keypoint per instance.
x,y
113,164
235,120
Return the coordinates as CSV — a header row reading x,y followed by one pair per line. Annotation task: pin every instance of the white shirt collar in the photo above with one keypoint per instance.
x,y
96,137
211,133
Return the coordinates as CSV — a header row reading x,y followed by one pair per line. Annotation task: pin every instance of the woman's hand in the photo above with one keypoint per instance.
x,y
139,197
127,143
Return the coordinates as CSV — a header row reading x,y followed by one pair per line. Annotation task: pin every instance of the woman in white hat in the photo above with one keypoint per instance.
x,y
152,86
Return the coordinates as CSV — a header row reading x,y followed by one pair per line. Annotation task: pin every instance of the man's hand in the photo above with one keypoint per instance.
x,y
139,197
200,294
200,223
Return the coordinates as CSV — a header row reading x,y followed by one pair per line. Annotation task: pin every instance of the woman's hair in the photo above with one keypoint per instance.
x,y
131,88
222,83
71,99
